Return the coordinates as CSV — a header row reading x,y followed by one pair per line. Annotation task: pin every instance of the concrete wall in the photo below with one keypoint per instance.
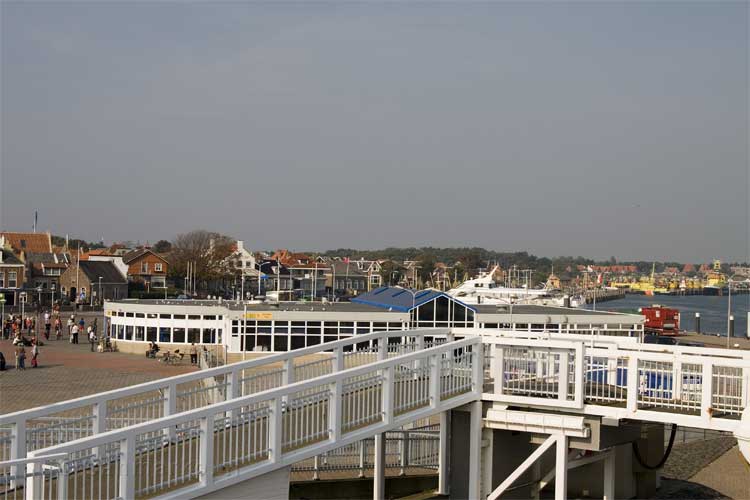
x,y
271,486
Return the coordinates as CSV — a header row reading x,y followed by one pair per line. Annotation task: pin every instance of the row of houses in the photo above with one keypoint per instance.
x,y
32,268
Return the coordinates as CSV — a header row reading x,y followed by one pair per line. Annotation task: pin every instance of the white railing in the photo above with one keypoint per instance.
x,y
41,427
404,449
692,386
208,448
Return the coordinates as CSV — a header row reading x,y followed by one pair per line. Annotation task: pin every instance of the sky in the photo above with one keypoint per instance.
x,y
559,128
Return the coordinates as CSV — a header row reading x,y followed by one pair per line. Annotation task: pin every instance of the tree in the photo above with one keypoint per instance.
x,y
207,251
162,246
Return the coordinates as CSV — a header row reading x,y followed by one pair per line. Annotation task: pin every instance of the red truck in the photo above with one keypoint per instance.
x,y
661,320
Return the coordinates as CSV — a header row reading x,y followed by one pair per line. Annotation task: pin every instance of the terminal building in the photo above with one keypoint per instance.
x,y
243,327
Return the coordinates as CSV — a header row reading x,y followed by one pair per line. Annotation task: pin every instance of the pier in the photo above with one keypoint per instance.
x,y
240,428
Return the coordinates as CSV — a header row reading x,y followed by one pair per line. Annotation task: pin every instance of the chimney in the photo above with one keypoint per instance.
x,y
240,245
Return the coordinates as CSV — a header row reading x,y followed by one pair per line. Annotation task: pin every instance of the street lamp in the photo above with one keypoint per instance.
x,y
101,295
413,299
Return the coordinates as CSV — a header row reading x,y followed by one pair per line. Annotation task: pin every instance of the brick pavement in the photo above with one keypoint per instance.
x,y
68,371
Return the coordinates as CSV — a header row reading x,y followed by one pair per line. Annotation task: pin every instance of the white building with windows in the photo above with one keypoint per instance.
x,y
240,327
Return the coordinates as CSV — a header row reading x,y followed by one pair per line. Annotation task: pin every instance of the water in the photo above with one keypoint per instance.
x,y
713,310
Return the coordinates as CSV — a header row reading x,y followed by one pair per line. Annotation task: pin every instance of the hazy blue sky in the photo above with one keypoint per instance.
x,y
593,128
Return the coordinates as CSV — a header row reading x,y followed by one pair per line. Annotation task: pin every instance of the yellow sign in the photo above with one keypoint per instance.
x,y
258,315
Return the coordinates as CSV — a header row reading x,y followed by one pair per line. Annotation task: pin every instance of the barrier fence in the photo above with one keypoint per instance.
x,y
193,451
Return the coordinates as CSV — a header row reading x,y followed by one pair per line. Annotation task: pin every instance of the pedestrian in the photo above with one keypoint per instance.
x,y
193,354
20,357
81,324
47,324
58,327
2,362
34,355
92,338
74,334
71,322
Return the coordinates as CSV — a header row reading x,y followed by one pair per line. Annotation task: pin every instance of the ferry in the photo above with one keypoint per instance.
x,y
484,290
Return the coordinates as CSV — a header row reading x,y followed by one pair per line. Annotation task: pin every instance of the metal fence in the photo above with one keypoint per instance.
x,y
251,435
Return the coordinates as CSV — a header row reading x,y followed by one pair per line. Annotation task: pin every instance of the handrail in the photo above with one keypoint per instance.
x,y
12,418
271,394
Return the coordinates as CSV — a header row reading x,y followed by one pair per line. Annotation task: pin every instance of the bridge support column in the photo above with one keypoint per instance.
x,y
610,472
443,460
561,468
378,479
475,449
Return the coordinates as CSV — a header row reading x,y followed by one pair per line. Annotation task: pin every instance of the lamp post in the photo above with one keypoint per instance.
x,y
413,300
101,295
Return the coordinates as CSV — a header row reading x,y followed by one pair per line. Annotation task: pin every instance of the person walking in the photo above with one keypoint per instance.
x,y
58,327
71,322
34,355
20,357
74,334
193,354
47,324
92,338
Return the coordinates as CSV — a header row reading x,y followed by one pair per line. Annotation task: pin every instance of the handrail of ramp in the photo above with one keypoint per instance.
x,y
44,426
208,448
691,386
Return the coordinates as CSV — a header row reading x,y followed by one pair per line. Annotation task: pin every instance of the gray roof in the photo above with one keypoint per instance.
x,y
9,258
107,270
342,269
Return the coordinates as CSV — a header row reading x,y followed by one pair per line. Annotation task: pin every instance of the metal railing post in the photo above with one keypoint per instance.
x,y
434,362
34,480
334,411
378,479
170,407
62,482
100,424
362,445
404,452
707,376
316,468
127,467
206,460
388,390
276,429
18,449
338,360
499,374
477,369
632,383
562,377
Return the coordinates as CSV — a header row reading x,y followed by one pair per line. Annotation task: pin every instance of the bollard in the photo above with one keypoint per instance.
x,y
697,322
731,326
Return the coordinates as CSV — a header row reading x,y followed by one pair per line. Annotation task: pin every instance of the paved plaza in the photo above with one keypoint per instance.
x,y
68,371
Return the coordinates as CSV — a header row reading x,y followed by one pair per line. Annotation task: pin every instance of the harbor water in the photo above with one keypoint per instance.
x,y
713,310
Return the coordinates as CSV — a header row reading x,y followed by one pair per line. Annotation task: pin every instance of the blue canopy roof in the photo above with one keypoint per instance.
x,y
401,299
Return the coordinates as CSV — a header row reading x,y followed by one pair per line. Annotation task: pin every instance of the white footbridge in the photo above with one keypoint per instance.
x,y
198,434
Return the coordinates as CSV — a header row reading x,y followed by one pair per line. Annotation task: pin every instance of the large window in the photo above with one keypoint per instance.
x,y
165,335
194,335
2,279
12,279
178,335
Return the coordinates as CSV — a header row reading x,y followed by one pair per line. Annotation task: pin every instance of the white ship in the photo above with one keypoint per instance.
x,y
484,290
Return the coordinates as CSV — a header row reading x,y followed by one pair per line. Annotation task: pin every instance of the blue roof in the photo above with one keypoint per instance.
x,y
401,299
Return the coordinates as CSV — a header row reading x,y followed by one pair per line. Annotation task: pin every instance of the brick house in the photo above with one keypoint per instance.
x,y
147,267
82,279
11,274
